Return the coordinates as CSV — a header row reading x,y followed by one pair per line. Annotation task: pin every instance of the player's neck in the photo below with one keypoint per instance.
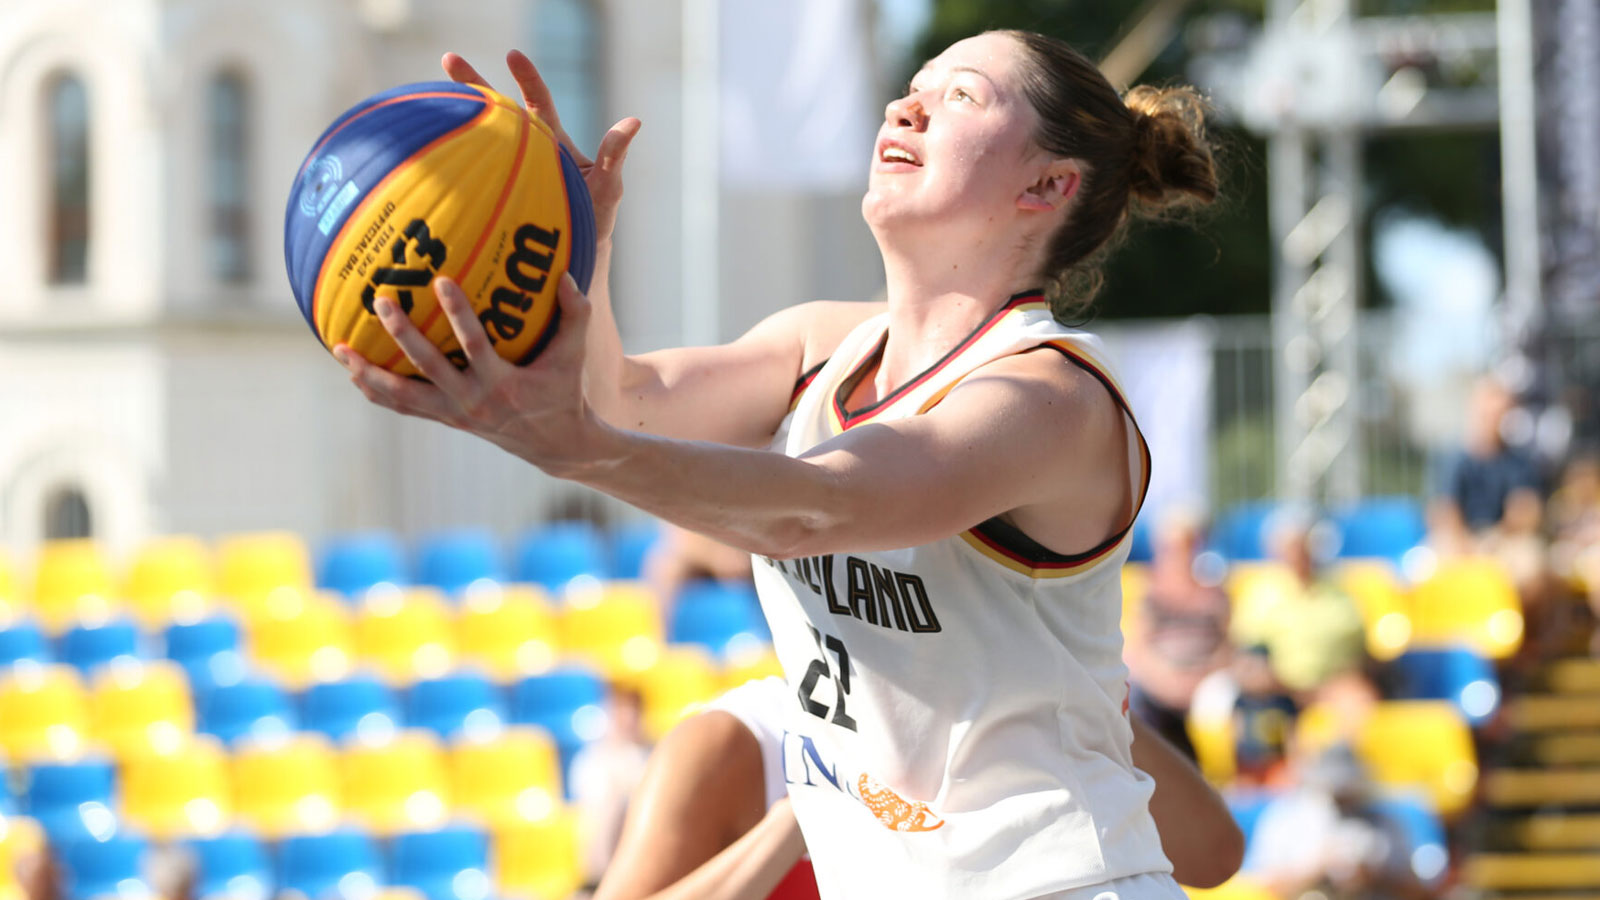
x,y
936,302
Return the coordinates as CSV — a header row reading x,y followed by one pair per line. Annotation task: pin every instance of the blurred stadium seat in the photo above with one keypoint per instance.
x,y
169,579
1239,887
509,630
71,581
256,707
452,560
22,639
1468,601
724,618
88,646
359,706
115,866
763,665
539,857
615,626
141,708
405,635
1380,527
72,799
631,544
45,711
683,678
232,866
400,785
1375,586
448,864
1425,834
1423,744
566,702
555,554
1456,674
21,839
344,863
514,775
354,563
1238,532
462,703
302,638
251,566
181,793
288,788
207,649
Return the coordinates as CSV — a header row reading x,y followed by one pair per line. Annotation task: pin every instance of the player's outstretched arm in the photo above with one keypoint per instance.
x,y
1197,831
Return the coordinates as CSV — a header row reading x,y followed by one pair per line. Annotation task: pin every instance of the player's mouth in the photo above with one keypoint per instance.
x,y
894,156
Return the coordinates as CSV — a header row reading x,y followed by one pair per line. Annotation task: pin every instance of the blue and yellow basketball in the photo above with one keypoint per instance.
x,y
437,179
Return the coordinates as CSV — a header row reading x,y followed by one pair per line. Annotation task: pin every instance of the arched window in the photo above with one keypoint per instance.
x,y
566,45
228,165
66,514
67,108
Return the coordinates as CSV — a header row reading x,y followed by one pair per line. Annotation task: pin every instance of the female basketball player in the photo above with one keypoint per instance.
x,y
941,514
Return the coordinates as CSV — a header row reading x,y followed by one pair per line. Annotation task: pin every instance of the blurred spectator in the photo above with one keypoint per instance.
x,y
1485,472
1328,837
681,556
1181,632
604,775
1263,719
1311,628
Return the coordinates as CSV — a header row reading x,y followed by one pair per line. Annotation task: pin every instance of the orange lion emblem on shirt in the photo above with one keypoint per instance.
x,y
894,811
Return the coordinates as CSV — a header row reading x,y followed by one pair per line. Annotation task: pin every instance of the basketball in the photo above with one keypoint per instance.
x,y
436,179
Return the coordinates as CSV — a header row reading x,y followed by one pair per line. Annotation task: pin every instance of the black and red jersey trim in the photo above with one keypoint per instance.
x,y
848,418
804,381
1006,538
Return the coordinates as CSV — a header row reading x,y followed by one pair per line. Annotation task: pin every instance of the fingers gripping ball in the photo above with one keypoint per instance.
x,y
437,179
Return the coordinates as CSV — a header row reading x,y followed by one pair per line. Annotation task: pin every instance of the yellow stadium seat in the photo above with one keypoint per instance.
x,y
539,858
251,566
681,679
44,713
400,785
170,580
141,708
302,637
1135,583
515,775
406,635
510,631
20,839
8,576
761,666
1213,742
1470,601
616,626
288,788
71,582
1375,586
1256,588
182,793
1423,744
1239,887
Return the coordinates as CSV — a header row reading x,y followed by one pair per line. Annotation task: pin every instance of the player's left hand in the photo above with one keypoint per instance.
x,y
537,411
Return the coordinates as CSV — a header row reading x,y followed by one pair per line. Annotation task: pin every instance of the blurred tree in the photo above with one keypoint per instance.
x,y
1221,264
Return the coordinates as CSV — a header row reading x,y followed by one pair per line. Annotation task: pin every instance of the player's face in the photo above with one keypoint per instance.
x,y
959,145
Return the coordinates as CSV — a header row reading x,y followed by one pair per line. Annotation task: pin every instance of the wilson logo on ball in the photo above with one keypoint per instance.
x,y
436,179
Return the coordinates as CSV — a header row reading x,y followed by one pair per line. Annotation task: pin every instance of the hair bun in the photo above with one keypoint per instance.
x,y
1170,163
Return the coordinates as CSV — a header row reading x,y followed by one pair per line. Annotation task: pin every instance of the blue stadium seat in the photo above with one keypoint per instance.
x,y
1457,674
720,616
109,867
232,865
449,864
90,646
1238,532
8,804
1425,833
72,800
465,702
1246,807
23,639
353,563
559,552
341,709
630,544
1381,527
254,707
567,702
208,650
452,560
343,863
1143,548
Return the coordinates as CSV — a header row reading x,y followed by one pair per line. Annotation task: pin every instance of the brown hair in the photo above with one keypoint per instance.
x,y
1145,155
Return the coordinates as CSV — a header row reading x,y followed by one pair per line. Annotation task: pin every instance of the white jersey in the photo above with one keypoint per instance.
x,y
960,725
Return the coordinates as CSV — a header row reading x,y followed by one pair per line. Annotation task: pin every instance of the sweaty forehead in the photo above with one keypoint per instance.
x,y
993,55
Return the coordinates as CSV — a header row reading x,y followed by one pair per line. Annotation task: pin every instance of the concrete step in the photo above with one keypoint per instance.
x,y
1542,787
1579,748
1532,871
1556,831
1555,712
1573,676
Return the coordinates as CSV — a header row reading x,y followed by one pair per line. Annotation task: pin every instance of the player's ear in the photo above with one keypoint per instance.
x,y
1054,188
